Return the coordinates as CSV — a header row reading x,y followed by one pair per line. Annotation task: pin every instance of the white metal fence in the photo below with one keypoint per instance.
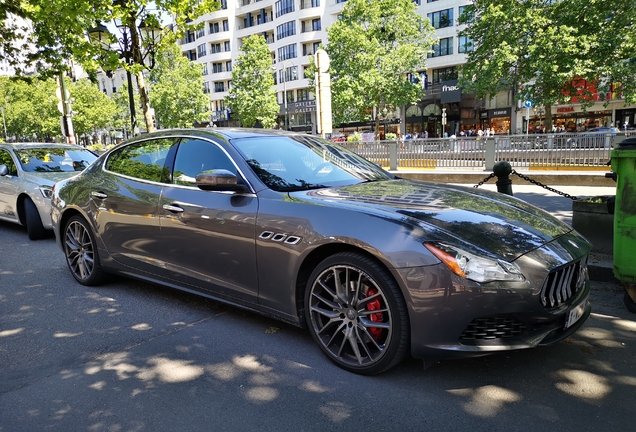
x,y
542,150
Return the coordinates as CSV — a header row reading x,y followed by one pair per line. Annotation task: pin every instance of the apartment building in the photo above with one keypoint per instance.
x,y
294,29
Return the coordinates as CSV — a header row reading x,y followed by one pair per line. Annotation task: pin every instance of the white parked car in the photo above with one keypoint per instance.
x,y
27,173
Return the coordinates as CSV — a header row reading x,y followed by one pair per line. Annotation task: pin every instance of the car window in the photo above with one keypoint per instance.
x,y
195,156
304,162
144,160
6,159
54,159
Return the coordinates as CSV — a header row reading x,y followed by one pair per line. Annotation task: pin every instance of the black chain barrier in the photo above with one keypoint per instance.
x,y
533,181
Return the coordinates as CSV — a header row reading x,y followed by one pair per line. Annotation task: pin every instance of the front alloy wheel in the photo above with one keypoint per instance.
x,y
81,252
357,314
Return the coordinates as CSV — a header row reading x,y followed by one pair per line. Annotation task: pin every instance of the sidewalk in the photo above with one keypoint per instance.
x,y
577,184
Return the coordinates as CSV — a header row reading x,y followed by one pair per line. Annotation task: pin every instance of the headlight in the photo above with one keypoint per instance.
x,y
46,191
474,267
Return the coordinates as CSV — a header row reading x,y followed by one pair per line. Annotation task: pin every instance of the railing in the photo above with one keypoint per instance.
x,y
566,151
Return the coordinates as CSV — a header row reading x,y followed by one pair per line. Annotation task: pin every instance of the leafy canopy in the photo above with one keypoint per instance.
x,y
372,47
252,95
546,48
177,90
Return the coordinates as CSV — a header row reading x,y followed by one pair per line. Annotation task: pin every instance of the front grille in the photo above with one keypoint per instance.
x,y
562,284
494,327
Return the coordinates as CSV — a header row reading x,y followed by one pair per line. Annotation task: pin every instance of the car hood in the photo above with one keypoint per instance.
x,y
49,178
494,222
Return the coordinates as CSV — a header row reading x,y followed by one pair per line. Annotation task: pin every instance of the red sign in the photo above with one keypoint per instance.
x,y
565,109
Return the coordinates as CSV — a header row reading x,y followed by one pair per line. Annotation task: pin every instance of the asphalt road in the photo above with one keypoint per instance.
x,y
131,356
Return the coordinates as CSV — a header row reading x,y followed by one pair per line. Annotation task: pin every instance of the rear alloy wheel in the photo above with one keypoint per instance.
x,y
35,229
356,314
80,249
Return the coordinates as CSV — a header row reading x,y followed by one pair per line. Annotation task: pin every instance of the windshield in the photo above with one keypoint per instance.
x,y
51,159
290,163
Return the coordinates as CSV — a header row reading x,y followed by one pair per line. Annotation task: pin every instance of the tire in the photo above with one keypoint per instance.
x,y
364,328
80,249
35,229
631,306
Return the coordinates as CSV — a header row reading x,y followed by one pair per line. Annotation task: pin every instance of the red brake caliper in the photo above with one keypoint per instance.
x,y
376,317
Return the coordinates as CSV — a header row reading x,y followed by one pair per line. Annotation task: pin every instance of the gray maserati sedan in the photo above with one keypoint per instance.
x,y
377,267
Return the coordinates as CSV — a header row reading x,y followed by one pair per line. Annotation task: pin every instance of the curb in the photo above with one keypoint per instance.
x,y
601,272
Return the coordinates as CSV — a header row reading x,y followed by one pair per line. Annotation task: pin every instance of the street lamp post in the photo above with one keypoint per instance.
x,y
131,52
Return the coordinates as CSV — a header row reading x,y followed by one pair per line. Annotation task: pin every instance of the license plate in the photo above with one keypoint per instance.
x,y
575,314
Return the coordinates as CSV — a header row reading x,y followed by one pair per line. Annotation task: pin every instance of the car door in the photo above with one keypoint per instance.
x,y
9,187
125,198
207,236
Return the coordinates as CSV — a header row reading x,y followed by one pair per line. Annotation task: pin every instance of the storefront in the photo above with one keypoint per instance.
x,y
497,119
566,118
625,118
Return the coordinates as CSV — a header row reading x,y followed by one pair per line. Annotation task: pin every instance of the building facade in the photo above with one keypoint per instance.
x,y
294,29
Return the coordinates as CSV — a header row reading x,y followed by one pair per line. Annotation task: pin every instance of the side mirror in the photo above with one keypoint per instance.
x,y
3,170
219,180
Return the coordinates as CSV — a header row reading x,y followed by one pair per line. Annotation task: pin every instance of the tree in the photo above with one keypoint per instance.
x,y
31,109
177,90
53,31
373,47
252,95
94,109
544,50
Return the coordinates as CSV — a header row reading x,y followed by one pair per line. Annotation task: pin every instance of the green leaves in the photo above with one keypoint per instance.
x,y
177,90
373,47
252,95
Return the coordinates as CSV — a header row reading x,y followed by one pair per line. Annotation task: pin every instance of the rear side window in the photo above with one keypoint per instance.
x,y
143,160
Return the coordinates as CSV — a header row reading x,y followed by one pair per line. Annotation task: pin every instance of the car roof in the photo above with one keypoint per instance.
x,y
227,133
28,145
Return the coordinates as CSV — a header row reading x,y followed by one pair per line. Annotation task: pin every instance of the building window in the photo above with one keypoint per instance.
x,y
215,48
287,52
441,19
219,86
302,94
444,74
465,44
283,7
228,66
201,50
470,16
444,47
201,32
214,28
205,69
285,30
217,67
290,74
227,46
206,87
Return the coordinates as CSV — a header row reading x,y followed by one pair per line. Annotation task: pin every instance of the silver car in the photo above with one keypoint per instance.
x,y
295,227
27,173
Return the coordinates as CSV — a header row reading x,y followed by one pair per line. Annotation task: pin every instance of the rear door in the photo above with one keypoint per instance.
x,y
125,196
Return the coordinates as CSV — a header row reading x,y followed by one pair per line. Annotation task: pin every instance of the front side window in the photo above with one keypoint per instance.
x,y
444,47
143,160
195,156
7,160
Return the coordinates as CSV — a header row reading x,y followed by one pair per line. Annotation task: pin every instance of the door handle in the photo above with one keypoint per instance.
x,y
100,195
172,208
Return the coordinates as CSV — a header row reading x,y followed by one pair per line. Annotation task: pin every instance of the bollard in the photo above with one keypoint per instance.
x,y
502,170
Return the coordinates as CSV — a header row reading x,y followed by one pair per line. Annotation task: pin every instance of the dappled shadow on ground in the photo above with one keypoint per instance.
x,y
235,368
